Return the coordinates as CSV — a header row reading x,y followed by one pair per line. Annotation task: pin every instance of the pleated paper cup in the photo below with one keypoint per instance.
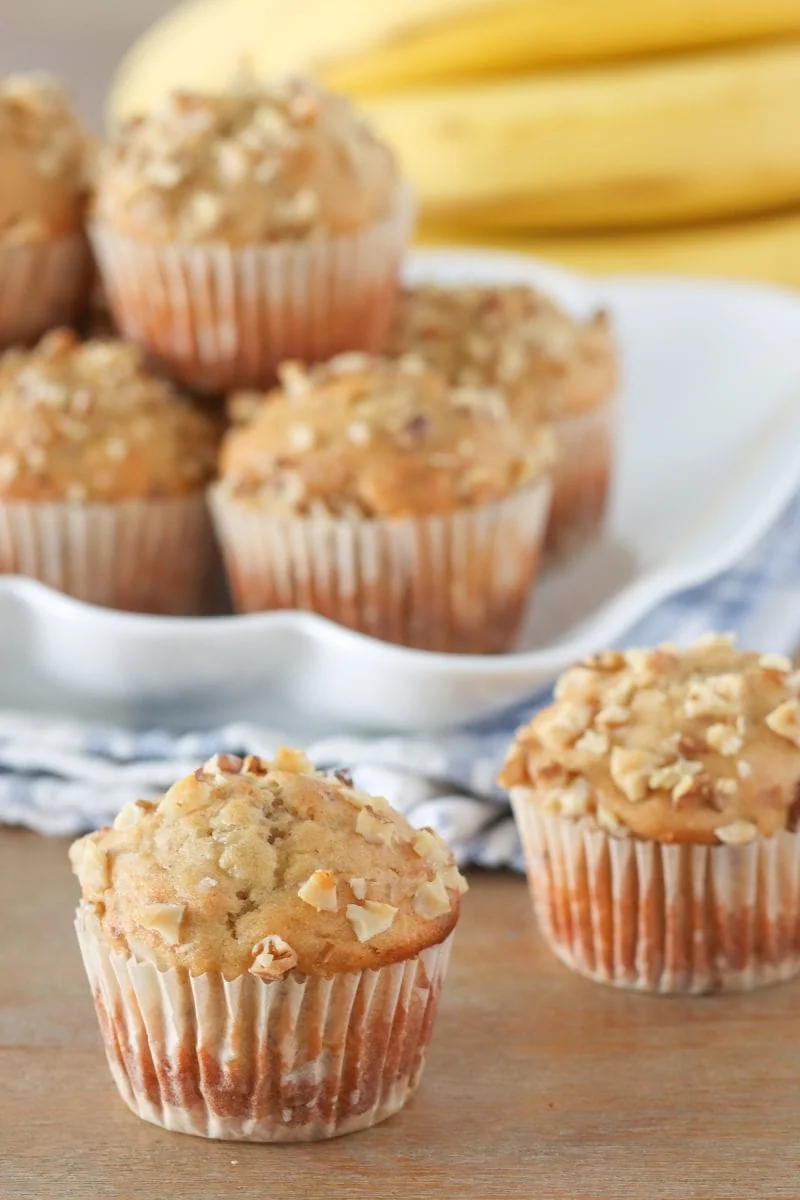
x,y
581,481
152,556
219,317
290,1060
43,285
459,582
675,919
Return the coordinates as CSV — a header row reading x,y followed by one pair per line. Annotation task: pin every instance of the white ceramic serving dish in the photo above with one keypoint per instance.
x,y
710,454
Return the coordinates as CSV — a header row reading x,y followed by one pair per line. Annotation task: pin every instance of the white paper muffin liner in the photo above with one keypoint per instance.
x,y
673,919
292,1060
42,285
459,582
581,480
219,317
152,556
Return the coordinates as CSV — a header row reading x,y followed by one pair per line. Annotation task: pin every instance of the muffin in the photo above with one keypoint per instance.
x,y
554,369
45,264
266,947
369,491
236,230
657,800
103,470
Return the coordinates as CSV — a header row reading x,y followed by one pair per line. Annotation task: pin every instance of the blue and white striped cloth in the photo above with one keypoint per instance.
x,y
63,778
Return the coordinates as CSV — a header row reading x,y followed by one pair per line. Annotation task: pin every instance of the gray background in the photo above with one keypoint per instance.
x,y
82,41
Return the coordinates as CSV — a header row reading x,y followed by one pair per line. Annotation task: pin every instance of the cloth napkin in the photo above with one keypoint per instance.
x,y
64,777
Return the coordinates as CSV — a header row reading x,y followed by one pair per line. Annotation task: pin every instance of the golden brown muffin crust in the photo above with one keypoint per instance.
x,y
374,437
511,337
268,867
253,164
699,745
86,421
45,159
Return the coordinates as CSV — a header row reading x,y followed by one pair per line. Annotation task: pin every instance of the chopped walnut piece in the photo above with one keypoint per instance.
x,y
253,765
744,769
631,770
612,717
374,829
573,800
430,847
726,787
715,696
775,662
785,721
610,824
92,867
370,918
593,743
358,887
737,833
606,660
564,724
578,683
431,899
673,774
223,764
724,740
453,880
163,919
131,814
319,890
292,761
272,958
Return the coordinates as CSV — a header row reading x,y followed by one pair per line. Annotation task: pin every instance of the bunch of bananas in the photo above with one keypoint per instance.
x,y
610,134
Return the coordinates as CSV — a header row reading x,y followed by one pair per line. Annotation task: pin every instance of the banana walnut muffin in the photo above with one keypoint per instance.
x,y
658,800
553,368
239,228
103,468
264,905
372,492
45,265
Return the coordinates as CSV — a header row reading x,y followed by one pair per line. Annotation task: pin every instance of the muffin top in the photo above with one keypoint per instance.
x,y
44,154
374,437
511,337
267,867
697,745
286,161
86,421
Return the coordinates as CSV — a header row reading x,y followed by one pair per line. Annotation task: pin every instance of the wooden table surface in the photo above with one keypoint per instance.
x,y
538,1084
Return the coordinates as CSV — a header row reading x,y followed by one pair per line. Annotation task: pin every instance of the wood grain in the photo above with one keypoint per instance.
x,y
539,1083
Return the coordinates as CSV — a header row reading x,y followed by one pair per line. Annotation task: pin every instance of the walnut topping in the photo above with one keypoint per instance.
x,y
207,884
715,696
744,769
785,721
272,958
726,787
222,765
319,890
593,743
563,724
674,774
374,829
724,740
612,717
358,887
163,919
370,918
131,814
453,880
430,847
737,833
775,662
574,799
93,868
293,761
253,765
431,899
610,824
606,660
576,682
631,770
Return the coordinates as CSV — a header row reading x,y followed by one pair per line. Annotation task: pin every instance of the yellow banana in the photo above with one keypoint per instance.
x,y
378,46
765,248
681,139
